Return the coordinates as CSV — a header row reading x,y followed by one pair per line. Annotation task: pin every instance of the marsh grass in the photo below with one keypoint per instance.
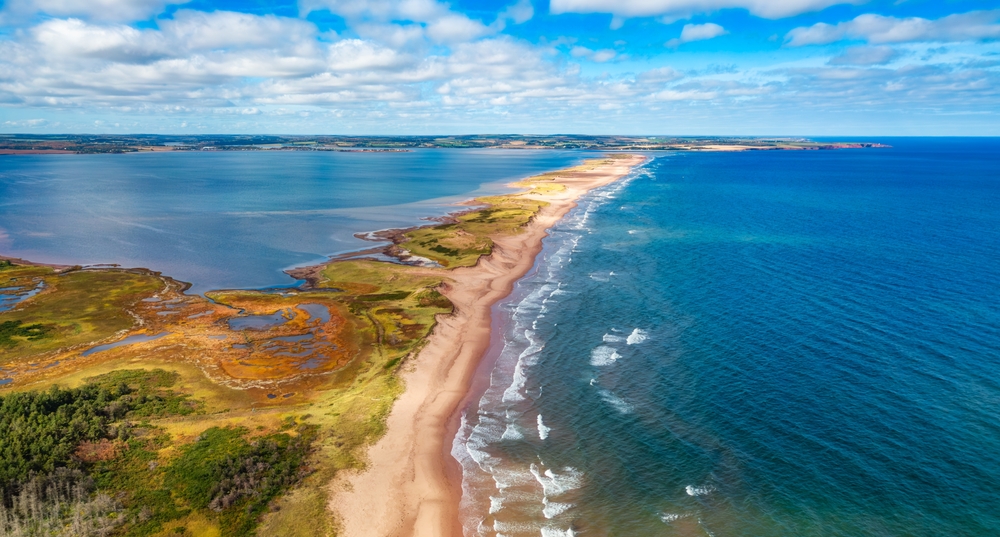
x,y
75,308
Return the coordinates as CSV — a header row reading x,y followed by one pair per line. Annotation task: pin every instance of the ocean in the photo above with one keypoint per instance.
x,y
753,344
224,220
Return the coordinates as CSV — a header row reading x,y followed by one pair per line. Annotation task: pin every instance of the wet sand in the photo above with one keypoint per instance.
x,y
412,485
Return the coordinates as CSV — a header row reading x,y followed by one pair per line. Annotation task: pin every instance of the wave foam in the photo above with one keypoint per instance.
x,y
603,355
699,491
543,431
512,432
554,484
557,532
670,517
554,509
637,336
616,402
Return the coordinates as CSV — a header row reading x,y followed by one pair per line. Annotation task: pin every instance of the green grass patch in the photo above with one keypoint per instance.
x,y
462,244
75,308
17,329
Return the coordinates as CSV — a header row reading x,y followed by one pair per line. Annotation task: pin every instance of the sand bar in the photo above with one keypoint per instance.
x,y
411,486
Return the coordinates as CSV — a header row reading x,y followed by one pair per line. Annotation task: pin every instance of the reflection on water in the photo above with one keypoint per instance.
x,y
12,296
138,338
261,322
317,311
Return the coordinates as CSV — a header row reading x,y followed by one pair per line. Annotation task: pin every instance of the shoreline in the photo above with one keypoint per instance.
x,y
411,485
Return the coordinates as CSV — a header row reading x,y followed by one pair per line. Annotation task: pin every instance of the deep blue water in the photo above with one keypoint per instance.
x,y
235,219
755,344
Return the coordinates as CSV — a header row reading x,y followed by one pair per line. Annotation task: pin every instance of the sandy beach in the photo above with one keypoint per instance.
x,y
411,486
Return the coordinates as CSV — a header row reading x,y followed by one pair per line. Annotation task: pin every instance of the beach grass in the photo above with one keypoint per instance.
x,y
463,242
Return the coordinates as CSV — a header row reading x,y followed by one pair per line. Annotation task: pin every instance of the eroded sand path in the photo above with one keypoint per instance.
x,y
406,490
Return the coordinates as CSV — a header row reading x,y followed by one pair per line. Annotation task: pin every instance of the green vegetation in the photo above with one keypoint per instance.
x,y
42,431
228,474
462,244
75,308
75,462
11,329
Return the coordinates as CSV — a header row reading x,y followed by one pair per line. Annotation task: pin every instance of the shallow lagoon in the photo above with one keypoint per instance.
x,y
235,219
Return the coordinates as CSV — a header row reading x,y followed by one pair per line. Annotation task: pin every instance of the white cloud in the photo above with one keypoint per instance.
x,y
74,38
268,71
865,56
598,56
454,28
519,13
196,30
675,9
873,28
24,123
102,10
660,75
381,10
393,35
697,32
398,21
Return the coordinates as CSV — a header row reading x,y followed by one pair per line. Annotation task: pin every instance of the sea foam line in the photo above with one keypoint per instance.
x,y
491,484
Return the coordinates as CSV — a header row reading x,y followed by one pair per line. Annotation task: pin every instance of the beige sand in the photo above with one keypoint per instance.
x,y
411,486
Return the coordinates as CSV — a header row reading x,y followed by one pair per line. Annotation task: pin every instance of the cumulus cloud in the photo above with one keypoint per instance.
x,y
771,9
872,28
599,56
865,56
519,13
415,62
383,10
102,10
438,21
697,32
454,28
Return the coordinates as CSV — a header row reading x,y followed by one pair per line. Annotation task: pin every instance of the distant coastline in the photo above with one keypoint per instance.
x,y
23,144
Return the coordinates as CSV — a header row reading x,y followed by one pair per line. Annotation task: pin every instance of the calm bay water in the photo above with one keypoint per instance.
x,y
234,219
759,344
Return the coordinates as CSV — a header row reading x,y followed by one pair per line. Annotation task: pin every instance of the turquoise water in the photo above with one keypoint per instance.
x,y
235,219
757,344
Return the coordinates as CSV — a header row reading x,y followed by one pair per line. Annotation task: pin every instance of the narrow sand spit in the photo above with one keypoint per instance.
x,y
411,486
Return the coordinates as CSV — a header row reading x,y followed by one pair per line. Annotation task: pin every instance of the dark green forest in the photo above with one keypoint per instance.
x,y
83,462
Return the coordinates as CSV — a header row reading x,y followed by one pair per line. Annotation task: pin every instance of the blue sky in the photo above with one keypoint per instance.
x,y
738,67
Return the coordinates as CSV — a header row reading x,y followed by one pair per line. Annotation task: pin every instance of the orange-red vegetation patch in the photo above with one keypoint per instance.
x,y
304,344
102,450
